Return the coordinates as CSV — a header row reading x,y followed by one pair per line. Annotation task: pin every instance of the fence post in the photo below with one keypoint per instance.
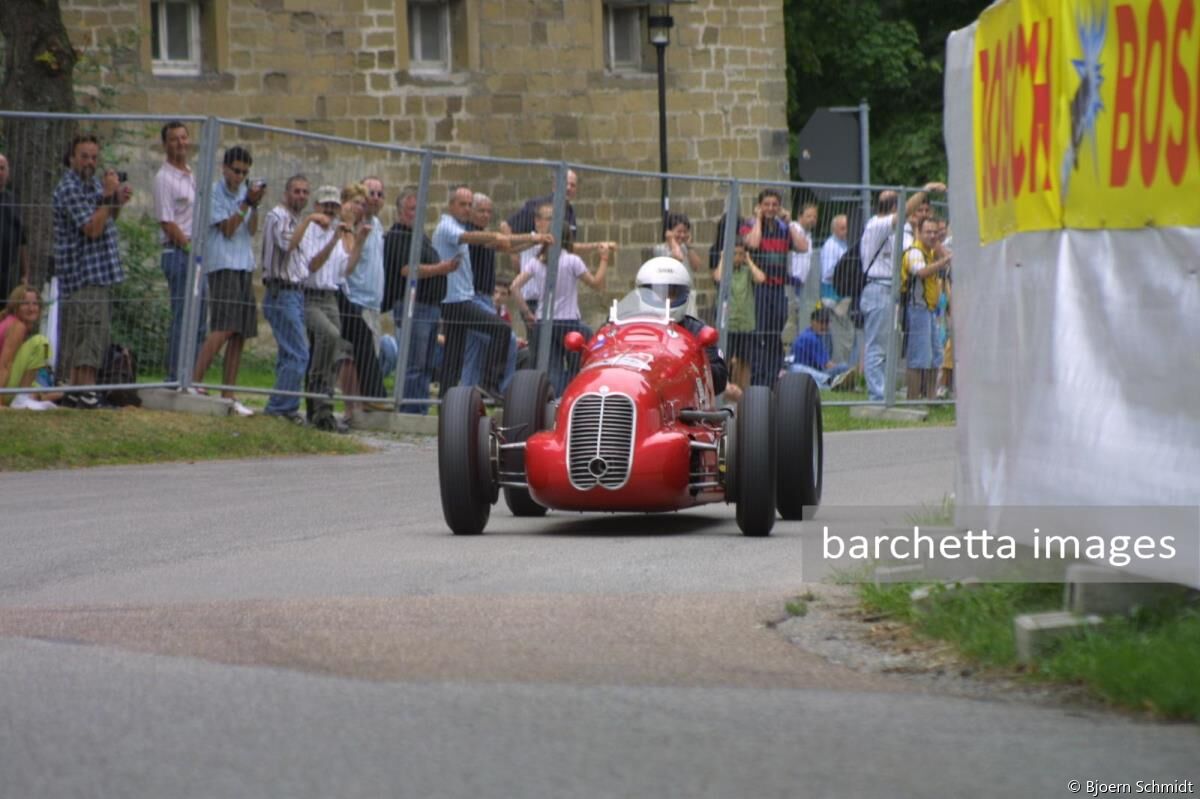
x,y
732,203
546,304
410,285
891,357
194,283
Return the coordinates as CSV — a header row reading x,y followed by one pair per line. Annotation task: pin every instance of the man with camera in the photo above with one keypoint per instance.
x,y
228,264
174,204
87,261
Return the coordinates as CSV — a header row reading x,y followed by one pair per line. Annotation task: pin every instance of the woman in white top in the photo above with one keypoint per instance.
x,y
571,271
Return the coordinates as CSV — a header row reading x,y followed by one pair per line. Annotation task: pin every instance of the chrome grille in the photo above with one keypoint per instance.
x,y
600,441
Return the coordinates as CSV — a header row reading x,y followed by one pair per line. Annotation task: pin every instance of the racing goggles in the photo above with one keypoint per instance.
x,y
673,294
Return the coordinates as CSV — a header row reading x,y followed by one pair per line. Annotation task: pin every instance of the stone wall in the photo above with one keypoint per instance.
x,y
532,84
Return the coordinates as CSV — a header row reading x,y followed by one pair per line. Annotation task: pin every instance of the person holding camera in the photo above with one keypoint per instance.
x,y
228,264
87,261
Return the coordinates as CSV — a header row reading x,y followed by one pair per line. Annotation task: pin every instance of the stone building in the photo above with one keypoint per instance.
x,y
567,80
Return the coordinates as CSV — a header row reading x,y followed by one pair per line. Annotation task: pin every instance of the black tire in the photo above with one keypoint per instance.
x,y
755,471
524,414
466,499
801,441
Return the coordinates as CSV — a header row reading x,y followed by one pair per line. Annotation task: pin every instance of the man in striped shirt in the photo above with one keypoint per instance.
x,y
769,239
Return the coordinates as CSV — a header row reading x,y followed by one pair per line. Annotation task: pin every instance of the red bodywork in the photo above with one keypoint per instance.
x,y
663,370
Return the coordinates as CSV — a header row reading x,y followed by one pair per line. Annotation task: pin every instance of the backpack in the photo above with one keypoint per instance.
x,y
849,276
120,366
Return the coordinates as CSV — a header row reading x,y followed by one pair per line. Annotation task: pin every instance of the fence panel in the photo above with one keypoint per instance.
x,y
248,309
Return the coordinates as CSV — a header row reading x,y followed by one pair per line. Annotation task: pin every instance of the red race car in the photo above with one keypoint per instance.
x,y
636,430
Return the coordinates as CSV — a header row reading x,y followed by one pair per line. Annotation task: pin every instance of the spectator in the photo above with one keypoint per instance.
x,y
718,246
427,304
283,299
677,242
483,267
328,245
459,310
518,347
875,249
769,240
24,352
809,354
531,289
523,221
840,341
740,323
800,262
14,249
360,301
87,262
228,264
923,268
174,205
571,270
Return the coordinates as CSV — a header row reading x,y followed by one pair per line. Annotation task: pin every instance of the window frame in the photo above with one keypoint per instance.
x,y
636,40
172,66
424,66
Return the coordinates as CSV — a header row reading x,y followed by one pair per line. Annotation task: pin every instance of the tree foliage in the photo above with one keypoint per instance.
x,y
890,53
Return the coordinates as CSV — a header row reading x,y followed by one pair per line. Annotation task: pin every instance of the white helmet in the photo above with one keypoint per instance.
x,y
669,281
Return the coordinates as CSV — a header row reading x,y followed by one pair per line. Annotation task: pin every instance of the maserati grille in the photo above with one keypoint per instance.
x,y
600,440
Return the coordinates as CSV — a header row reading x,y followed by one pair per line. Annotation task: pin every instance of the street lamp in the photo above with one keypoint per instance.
x,y
660,25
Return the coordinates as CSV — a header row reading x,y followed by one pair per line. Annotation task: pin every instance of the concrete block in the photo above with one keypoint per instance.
x,y
164,399
401,423
926,596
1037,633
898,574
1108,592
893,414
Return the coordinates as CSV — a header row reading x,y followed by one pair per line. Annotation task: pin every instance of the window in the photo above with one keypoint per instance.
x,y
624,37
175,37
429,35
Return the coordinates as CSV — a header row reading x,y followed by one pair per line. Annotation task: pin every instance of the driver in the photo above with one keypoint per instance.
x,y
671,282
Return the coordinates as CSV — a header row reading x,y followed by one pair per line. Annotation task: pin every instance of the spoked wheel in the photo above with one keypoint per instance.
x,y
524,414
801,453
755,461
465,471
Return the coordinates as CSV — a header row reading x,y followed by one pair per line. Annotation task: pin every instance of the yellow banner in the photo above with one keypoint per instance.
x,y
1087,115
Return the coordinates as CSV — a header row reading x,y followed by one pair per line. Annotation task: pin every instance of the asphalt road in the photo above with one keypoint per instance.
x,y
307,627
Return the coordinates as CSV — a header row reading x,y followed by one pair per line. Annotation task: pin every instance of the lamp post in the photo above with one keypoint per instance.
x,y
660,25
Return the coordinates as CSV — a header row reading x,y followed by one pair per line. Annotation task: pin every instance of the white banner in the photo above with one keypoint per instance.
x,y
1077,357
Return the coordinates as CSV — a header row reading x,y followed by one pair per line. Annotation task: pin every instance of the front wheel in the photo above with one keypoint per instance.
x,y
525,411
800,437
463,433
755,459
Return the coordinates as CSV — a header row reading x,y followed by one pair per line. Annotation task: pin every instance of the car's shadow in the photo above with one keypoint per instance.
x,y
630,525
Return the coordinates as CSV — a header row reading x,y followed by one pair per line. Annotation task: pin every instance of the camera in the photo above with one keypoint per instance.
x,y
123,177
259,184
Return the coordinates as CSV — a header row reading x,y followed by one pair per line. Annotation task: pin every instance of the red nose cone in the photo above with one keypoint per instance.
x,y
709,336
574,342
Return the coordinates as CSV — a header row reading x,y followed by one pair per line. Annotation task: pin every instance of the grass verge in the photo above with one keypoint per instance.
x,y
1148,661
67,439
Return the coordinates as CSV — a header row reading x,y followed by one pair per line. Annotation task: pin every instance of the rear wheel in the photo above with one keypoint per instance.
x,y
467,493
755,461
800,438
524,414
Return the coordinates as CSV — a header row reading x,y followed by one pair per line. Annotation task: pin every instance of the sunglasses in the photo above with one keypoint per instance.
x,y
375,193
240,172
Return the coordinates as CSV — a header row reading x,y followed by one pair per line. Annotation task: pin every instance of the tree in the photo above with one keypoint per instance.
x,y
890,53
39,65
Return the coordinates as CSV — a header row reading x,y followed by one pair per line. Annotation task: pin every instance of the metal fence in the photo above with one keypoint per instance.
x,y
280,294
